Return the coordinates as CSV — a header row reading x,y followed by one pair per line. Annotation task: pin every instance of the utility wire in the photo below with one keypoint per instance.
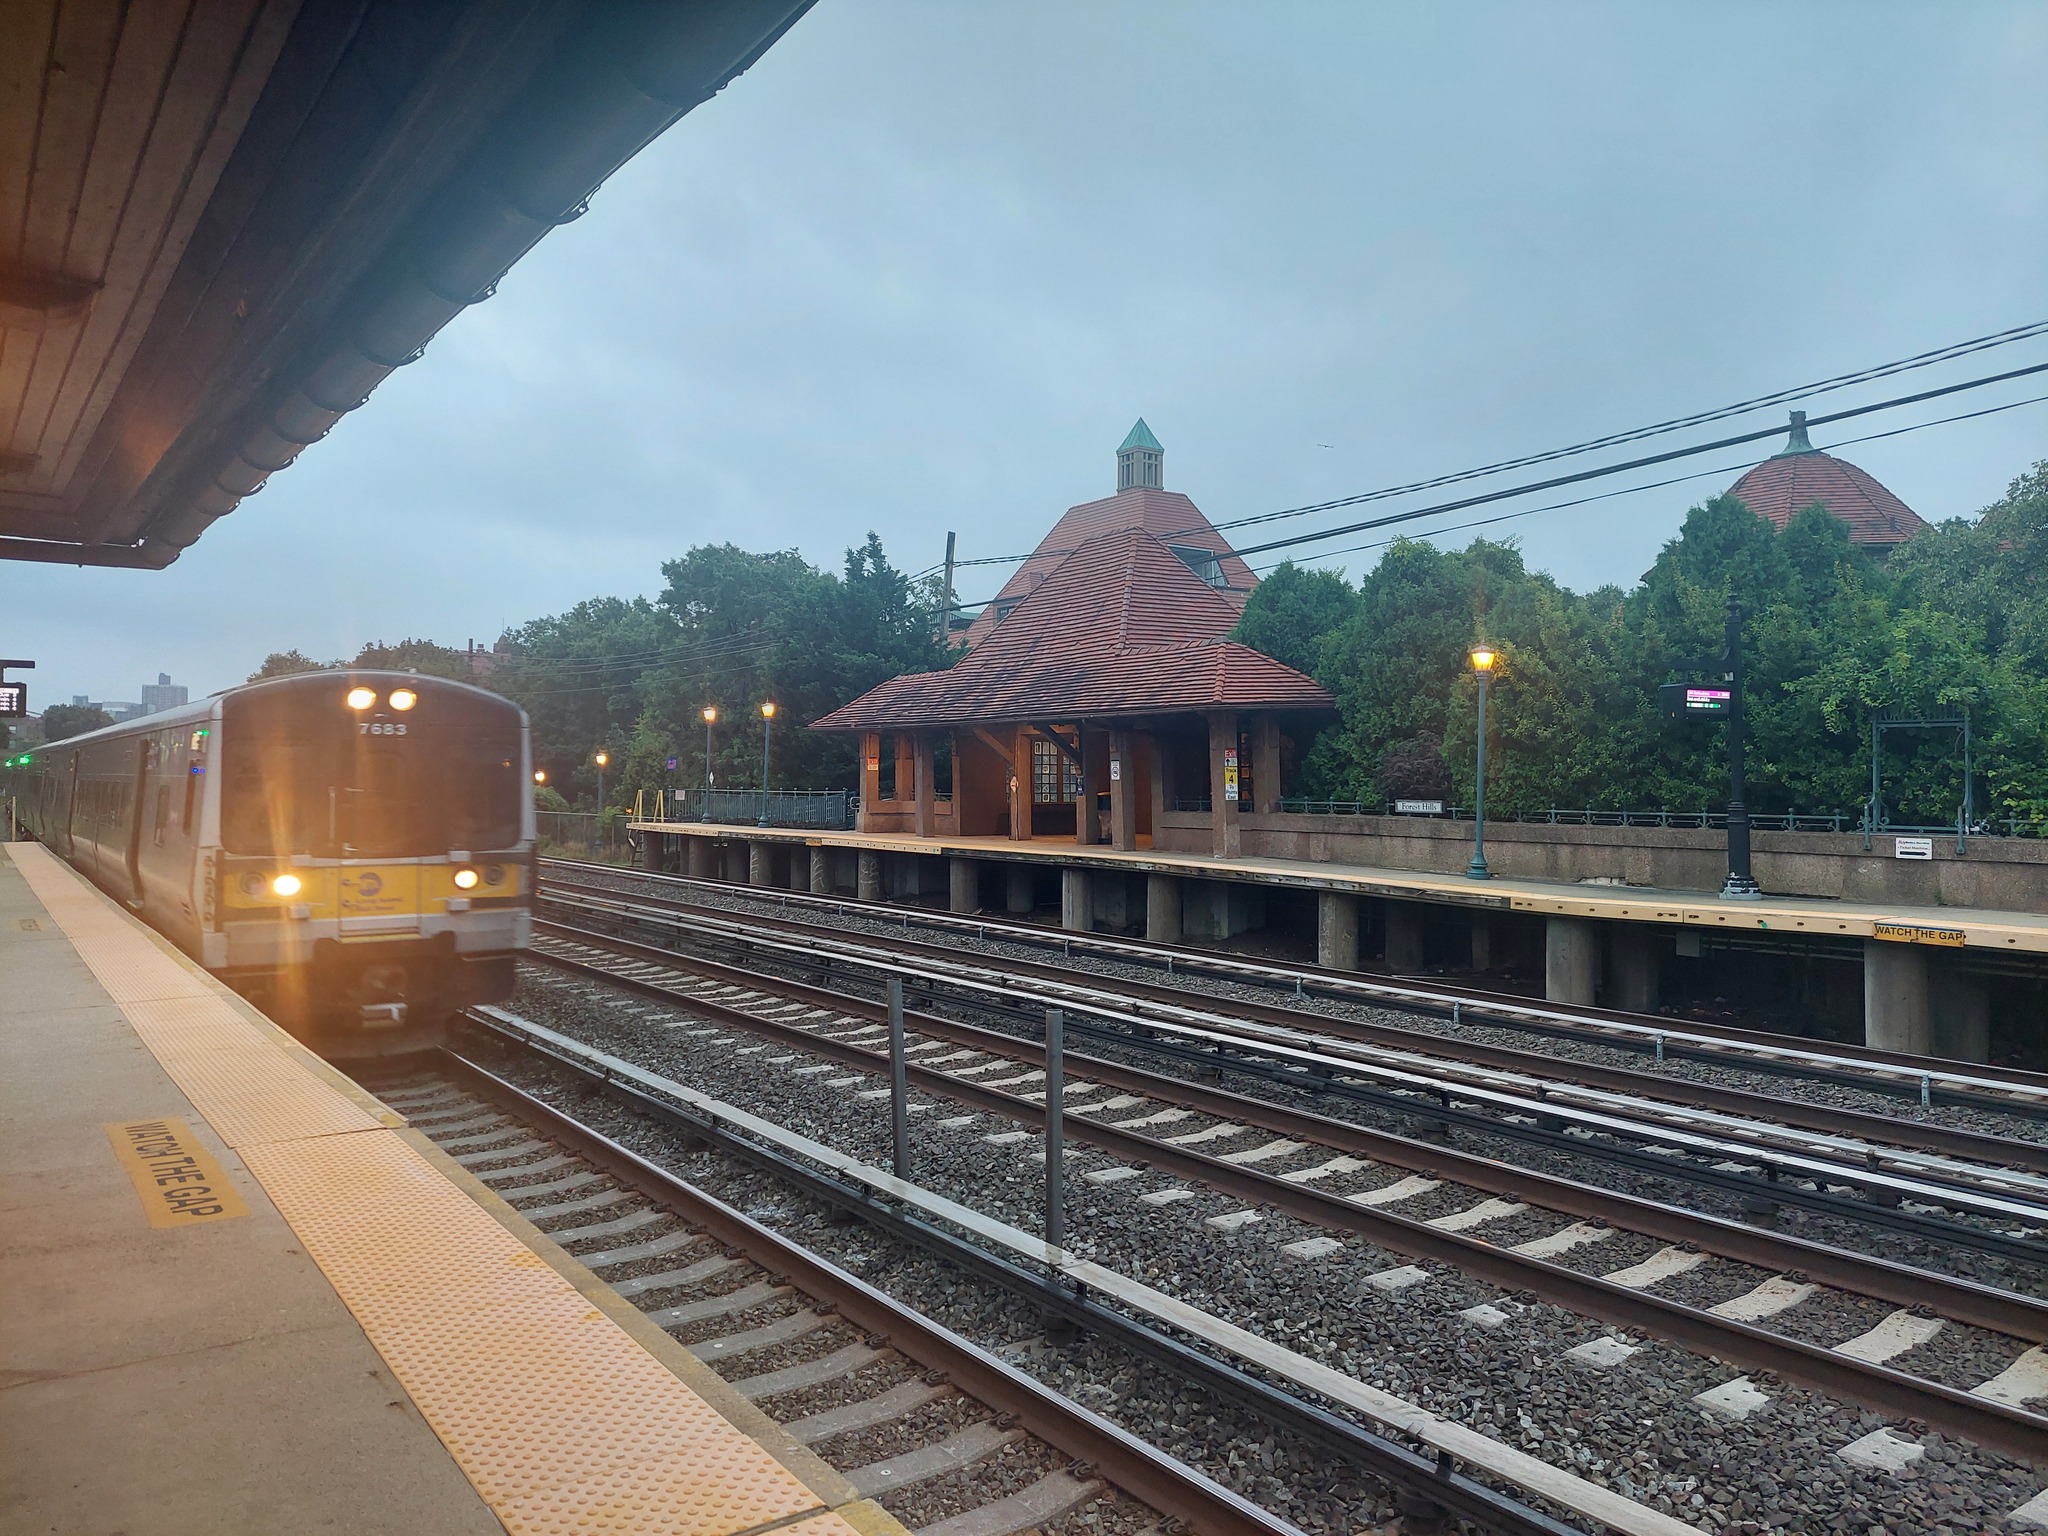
x,y
1626,465
1654,485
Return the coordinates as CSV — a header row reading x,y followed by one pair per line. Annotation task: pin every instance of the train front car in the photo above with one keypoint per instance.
x,y
373,870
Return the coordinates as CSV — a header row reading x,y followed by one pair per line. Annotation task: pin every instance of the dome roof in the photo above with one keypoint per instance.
x,y
1801,475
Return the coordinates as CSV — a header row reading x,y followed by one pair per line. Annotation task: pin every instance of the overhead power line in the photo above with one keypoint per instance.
x,y
1655,485
1626,465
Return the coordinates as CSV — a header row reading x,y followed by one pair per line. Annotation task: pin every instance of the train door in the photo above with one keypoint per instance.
x,y
138,794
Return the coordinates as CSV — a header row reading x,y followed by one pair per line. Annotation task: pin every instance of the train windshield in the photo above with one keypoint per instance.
x,y
303,773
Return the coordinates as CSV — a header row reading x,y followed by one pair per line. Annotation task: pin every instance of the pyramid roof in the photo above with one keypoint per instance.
x,y
1121,627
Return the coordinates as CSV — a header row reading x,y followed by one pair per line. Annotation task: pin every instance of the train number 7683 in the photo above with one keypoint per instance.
x,y
380,727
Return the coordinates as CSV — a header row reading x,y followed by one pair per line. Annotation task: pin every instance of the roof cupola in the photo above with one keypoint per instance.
x,y
1140,462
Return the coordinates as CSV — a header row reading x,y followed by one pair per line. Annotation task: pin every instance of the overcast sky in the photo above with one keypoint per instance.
x,y
921,267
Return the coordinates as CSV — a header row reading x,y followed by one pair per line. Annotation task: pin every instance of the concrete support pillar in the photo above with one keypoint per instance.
x,y
1265,796
867,883
1123,785
1897,1014
1017,893
1224,806
1634,958
1404,937
700,857
1962,1016
1162,909
870,776
1337,930
1571,960
760,863
1074,910
921,766
821,871
1112,899
1482,942
964,894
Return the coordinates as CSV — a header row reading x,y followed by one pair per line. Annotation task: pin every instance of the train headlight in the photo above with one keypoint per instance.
x,y
403,698
286,885
361,698
466,879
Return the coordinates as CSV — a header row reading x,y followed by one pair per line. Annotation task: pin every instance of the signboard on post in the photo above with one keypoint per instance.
x,y
1230,773
1685,701
1418,807
13,701
1912,847
671,764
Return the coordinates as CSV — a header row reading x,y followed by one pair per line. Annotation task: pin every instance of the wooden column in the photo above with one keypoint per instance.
x,y
1162,761
1020,786
921,768
870,774
1265,765
1094,780
1223,807
1123,781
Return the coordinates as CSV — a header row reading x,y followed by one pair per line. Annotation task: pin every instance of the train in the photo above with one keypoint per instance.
x,y
353,851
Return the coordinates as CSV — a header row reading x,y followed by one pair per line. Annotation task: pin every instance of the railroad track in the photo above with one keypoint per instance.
x,y
1922,1079
1351,1183
1896,1175
949,1438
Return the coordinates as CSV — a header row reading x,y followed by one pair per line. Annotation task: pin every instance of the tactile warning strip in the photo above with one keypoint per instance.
x,y
558,1417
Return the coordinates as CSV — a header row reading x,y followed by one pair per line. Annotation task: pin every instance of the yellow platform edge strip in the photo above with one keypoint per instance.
x,y
556,1413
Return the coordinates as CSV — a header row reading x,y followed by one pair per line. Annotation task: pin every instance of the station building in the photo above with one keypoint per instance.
x,y
1800,476
1101,700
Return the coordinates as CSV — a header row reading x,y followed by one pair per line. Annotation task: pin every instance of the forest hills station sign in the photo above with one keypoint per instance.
x,y
1099,691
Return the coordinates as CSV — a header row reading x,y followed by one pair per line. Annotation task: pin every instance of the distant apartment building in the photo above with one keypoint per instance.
x,y
162,694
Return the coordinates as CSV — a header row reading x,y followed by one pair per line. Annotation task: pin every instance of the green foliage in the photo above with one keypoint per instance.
x,y
547,798
284,664
1956,620
414,656
62,720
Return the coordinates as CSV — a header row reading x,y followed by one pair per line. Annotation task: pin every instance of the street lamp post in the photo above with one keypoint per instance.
x,y
767,723
1483,659
1741,884
601,759
710,773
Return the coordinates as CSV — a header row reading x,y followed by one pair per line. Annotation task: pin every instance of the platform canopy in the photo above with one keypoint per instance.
x,y
223,225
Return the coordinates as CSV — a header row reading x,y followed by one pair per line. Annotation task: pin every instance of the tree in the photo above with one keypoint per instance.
x,y
284,664
1291,613
62,720
414,656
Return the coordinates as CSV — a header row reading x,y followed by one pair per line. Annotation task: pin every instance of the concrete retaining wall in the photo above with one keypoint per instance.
x,y
1999,873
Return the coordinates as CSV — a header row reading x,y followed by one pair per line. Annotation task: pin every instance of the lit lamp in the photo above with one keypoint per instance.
x,y
1483,660
601,759
710,775
540,775
767,723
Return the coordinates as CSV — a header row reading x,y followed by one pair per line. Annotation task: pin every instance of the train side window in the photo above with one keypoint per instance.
x,y
163,810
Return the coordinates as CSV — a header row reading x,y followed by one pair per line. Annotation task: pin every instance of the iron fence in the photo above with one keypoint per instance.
x,y
829,810
583,833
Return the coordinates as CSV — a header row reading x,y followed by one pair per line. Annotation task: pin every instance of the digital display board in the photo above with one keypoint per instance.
x,y
1683,701
13,700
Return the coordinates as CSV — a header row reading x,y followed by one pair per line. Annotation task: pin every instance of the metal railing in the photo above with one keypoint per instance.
x,y
1189,803
1557,816
582,832
828,810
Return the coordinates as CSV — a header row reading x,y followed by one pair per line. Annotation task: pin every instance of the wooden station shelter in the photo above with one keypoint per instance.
x,y
1097,693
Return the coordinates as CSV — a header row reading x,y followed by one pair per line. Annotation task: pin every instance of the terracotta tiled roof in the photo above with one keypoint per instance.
x,y
1793,481
1166,515
1120,628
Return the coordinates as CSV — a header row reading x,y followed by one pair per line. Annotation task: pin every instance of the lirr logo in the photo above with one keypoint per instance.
x,y
369,883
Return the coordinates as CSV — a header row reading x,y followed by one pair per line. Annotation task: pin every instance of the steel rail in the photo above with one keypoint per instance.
x,y
1430,1477
1981,1191
1132,1465
1904,1285
1823,1119
2013,1091
2012,1430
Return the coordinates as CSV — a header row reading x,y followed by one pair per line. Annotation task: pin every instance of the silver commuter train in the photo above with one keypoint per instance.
x,y
351,850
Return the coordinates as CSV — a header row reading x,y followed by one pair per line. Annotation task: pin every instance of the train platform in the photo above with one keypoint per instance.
x,y
242,1295
2010,932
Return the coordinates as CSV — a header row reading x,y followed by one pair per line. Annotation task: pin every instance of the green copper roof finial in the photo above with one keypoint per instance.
x,y
1797,442
1140,461
1141,437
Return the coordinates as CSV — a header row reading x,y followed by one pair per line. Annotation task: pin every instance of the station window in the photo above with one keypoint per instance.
x,y
1054,778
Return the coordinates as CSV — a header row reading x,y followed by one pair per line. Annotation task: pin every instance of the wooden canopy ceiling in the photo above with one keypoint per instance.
x,y
223,222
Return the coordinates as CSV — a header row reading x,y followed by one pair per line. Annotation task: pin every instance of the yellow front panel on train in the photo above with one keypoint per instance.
x,y
379,891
